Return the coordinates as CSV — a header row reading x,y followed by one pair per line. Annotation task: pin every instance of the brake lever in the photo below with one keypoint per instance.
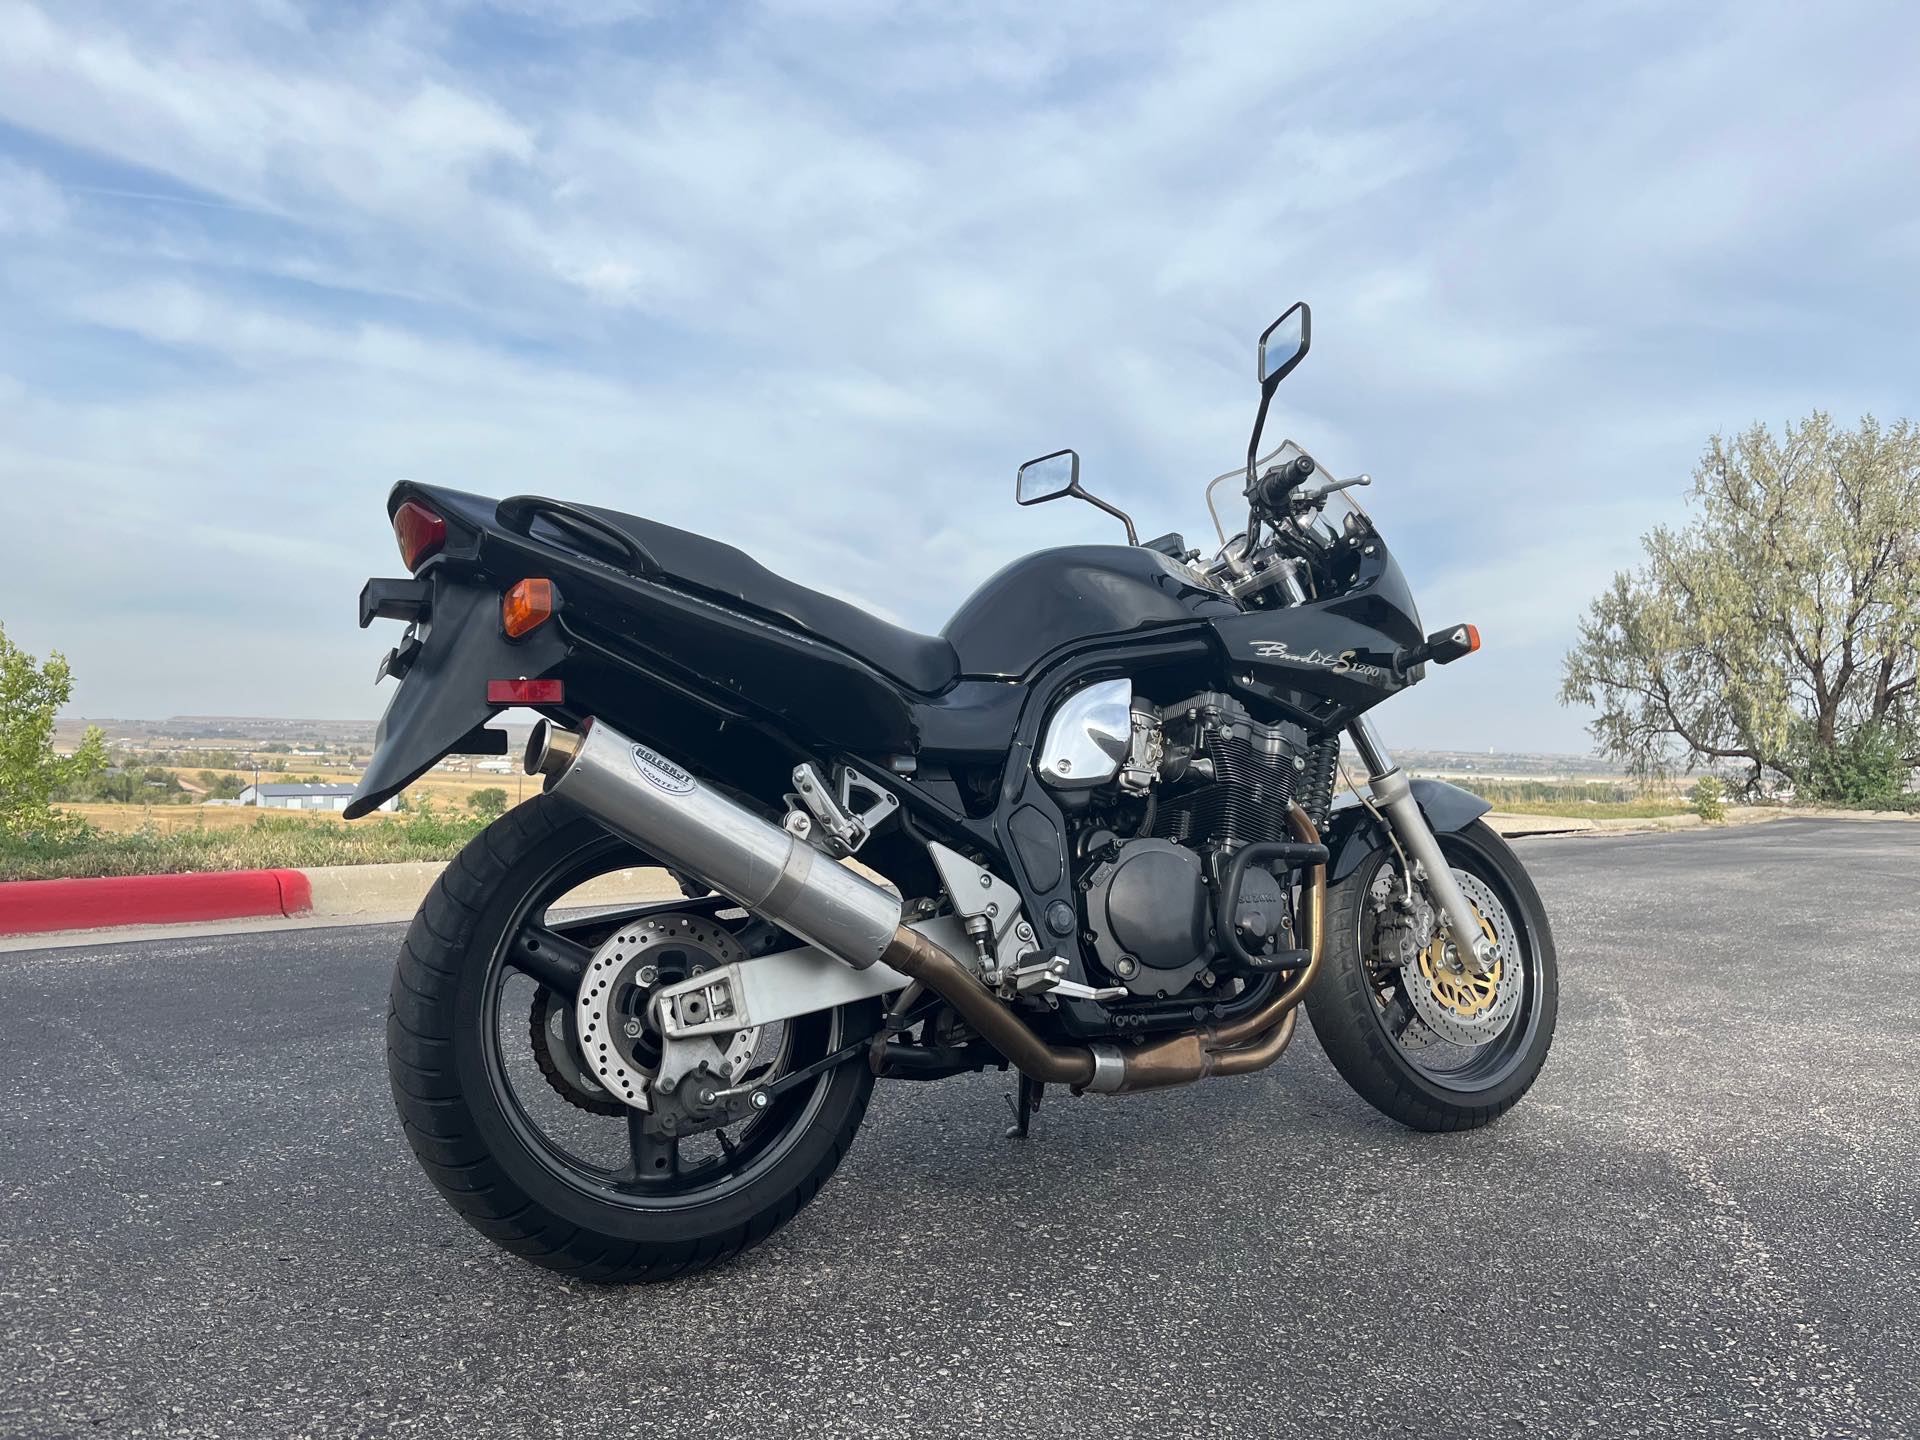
x,y
1308,498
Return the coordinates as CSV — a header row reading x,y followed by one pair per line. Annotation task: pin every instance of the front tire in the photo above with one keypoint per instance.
x,y
1356,1006
476,1135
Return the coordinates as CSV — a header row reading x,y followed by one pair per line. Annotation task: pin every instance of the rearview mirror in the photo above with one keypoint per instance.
x,y
1284,343
1047,478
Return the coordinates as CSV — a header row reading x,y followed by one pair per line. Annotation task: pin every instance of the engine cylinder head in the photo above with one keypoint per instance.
x,y
1257,772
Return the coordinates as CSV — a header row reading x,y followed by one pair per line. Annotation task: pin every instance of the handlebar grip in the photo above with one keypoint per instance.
x,y
1279,481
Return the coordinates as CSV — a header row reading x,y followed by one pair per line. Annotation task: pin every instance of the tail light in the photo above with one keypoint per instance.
x,y
527,606
421,533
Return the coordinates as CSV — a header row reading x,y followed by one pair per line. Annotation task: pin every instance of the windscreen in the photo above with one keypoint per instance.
x,y
1283,453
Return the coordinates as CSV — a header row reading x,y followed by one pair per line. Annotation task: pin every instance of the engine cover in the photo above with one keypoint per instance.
x,y
1150,913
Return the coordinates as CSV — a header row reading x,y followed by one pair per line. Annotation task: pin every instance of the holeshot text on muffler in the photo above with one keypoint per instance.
x,y
643,796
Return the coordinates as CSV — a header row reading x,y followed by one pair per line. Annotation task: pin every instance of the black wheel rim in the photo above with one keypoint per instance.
x,y
1466,1070
625,1163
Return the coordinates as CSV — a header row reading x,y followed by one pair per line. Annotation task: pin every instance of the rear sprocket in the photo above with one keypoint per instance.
x,y
556,1043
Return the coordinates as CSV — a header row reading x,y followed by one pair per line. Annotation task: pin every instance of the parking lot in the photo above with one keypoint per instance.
x,y
1702,1220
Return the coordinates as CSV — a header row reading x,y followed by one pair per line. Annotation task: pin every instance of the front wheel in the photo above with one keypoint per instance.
x,y
1419,1036
508,1118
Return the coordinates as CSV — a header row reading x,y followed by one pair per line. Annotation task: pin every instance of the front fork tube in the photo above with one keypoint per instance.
x,y
1393,795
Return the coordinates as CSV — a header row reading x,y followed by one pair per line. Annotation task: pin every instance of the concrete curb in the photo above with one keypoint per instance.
x,y
31,907
387,892
339,894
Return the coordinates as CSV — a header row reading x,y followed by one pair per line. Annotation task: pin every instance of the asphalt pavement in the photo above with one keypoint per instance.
x,y
1702,1221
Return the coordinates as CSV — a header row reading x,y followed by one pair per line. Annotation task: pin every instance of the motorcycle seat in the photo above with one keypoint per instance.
x,y
923,663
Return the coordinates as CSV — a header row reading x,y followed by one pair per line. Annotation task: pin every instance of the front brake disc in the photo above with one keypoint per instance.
x,y
1457,1005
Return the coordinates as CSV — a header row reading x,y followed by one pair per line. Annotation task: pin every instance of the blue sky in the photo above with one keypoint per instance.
x,y
815,277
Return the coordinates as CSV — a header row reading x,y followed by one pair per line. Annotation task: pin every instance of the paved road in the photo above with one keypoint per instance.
x,y
1702,1221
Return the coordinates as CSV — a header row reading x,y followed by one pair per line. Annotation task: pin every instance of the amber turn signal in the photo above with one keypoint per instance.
x,y
1443,647
527,606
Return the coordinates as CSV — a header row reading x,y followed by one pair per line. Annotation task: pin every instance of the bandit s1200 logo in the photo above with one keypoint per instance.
x,y
1341,664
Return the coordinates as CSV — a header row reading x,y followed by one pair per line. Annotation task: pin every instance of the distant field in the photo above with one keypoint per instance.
x,y
1597,800
440,785
172,819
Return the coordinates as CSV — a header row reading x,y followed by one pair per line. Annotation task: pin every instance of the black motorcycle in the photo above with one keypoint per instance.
x,y
1089,831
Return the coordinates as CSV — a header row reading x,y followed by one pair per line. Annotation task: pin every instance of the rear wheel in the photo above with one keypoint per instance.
x,y
512,1125
1419,1036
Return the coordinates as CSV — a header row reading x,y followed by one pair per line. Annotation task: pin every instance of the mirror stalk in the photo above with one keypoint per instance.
x,y
1133,536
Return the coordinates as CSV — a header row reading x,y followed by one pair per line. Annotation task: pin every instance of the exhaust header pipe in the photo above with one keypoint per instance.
x,y
644,797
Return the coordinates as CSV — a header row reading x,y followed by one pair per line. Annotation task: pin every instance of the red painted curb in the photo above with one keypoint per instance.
x,y
30,906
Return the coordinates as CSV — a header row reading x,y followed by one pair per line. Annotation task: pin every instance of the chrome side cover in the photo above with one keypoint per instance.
x,y
1088,736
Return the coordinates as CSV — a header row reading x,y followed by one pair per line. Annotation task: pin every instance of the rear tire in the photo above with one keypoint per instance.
x,y
1345,1005
477,1152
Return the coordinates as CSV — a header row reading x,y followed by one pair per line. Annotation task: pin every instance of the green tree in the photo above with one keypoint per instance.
x,y
1867,768
490,803
1780,624
1709,798
31,770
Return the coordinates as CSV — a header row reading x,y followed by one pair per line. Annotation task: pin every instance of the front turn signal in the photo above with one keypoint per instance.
x,y
526,607
1443,647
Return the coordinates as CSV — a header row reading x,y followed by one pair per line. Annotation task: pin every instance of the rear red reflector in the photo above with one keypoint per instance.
x,y
526,692
421,533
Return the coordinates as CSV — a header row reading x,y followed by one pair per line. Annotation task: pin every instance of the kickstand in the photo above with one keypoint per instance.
x,y
1030,1094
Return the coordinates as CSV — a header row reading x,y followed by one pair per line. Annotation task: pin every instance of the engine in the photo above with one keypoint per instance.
x,y
1240,778
1182,787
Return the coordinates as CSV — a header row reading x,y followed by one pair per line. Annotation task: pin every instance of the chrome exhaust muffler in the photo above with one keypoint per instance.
x,y
644,797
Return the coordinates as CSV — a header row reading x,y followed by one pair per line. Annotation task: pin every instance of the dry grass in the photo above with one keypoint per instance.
x,y
262,841
175,819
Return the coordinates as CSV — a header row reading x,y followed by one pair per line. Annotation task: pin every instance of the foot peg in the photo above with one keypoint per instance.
x,y
1278,960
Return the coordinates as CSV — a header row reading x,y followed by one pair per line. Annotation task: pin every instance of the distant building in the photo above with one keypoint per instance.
x,y
302,797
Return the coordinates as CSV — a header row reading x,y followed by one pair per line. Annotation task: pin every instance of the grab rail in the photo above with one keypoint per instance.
x,y
518,512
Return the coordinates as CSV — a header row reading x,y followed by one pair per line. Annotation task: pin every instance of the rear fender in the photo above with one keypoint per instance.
x,y
1353,833
442,699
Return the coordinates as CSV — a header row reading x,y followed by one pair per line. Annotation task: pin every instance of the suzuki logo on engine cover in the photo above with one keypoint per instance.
x,y
660,772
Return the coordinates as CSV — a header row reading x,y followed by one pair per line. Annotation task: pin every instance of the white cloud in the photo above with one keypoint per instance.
x,y
817,276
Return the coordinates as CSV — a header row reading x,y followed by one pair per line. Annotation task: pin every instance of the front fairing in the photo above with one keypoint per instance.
x,y
1327,661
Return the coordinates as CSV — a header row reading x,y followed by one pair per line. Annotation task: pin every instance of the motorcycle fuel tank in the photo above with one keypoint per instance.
x,y
1054,598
